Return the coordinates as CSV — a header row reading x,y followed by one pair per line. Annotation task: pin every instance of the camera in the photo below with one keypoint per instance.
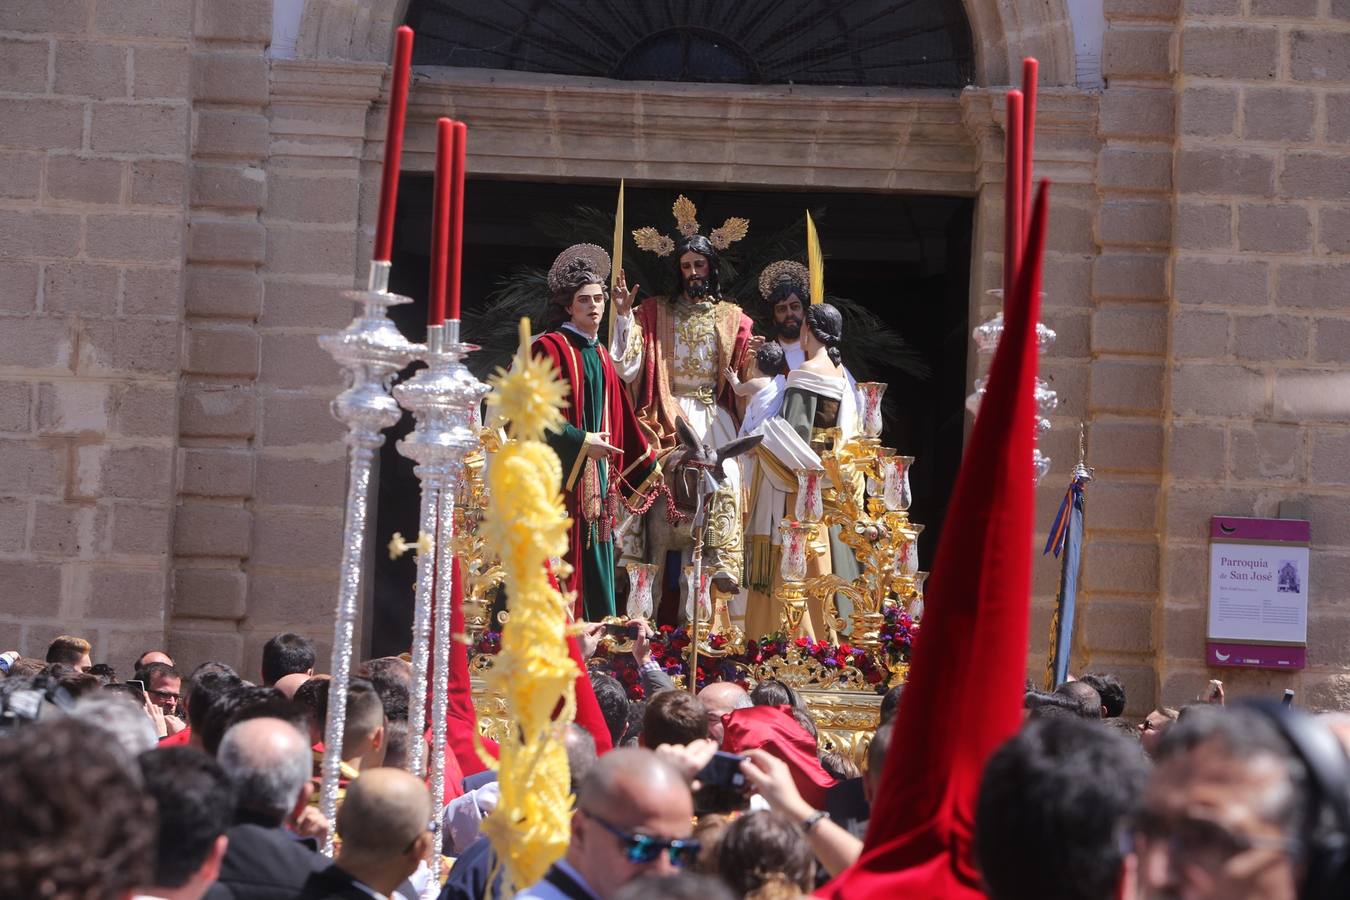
x,y
723,787
627,630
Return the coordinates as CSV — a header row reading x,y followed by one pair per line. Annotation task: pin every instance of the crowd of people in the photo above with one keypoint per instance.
x,y
172,785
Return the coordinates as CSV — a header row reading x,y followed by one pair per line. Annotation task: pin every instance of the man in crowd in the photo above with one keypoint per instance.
x,y
633,817
151,656
286,654
1084,697
1232,811
673,717
1112,692
383,827
76,822
719,699
1053,802
71,651
268,762
163,686
194,799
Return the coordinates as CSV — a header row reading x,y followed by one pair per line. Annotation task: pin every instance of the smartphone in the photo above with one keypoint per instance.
x,y
1288,699
723,770
139,685
628,630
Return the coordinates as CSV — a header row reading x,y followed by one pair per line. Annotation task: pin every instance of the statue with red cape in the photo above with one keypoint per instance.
x,y
606,459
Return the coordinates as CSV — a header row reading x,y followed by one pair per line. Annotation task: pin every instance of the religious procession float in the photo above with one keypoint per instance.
x,y
636,461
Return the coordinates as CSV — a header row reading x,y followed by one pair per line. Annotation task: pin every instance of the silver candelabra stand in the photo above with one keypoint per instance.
x,y
443,397
987,337
370,350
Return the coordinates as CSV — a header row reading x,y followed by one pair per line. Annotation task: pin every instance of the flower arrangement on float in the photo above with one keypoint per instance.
x,y
670,646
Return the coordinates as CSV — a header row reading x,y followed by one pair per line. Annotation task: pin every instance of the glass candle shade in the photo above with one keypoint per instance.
x,y
641,578
895,493
700,593
810,505
796,539
916,603
869,395
1040,464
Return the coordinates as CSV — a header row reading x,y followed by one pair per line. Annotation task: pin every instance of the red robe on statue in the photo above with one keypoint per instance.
x,y
655,403
596,403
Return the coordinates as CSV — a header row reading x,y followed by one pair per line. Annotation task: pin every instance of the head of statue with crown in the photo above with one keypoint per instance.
x,y
697,258
576,284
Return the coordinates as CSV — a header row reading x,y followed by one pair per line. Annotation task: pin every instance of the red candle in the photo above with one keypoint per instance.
x,y
457,155
393,144
440,221
1030,68
1012,192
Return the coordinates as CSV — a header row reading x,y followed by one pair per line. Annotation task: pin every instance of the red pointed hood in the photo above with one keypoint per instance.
x,y
964,694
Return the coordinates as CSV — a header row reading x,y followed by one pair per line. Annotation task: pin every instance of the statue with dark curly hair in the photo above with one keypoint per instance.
x,y
605,457
675,352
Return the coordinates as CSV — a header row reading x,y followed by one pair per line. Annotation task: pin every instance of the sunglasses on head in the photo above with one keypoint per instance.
x,y
642,848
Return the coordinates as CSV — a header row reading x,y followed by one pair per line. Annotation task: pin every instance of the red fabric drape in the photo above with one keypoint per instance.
x,y
461,717
588,708
964,695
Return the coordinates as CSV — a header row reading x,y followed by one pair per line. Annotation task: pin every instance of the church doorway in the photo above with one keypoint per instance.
x,y
905,258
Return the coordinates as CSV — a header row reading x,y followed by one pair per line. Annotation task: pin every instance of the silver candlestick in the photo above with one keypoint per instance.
x,y
371,350
443,397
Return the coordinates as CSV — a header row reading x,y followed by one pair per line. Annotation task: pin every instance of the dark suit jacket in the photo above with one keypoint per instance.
x,y
263,863
470,874
331,884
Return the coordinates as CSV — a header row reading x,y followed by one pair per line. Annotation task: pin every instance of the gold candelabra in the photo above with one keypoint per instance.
x,y
868,497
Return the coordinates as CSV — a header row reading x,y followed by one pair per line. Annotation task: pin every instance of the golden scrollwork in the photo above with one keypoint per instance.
x,y
799,671
845,720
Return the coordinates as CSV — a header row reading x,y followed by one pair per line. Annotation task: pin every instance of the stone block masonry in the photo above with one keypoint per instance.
x,y
91,244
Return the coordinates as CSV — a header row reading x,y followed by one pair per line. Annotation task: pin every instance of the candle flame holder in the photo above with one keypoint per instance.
x,y
371,351
443,398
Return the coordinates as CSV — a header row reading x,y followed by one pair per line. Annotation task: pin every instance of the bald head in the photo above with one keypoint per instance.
x,y
632,791
385,810
289,684
720,698
636,782
269,763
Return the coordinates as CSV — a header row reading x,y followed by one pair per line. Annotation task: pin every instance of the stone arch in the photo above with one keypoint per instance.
x,y
357,30
1003,31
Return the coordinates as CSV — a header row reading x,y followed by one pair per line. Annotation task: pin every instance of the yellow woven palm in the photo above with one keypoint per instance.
x,y
530,827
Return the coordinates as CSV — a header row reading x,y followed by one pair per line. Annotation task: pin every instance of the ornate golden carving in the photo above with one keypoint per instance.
x,y
799,671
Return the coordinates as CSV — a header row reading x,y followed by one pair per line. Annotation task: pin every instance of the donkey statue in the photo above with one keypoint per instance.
x,y
689,502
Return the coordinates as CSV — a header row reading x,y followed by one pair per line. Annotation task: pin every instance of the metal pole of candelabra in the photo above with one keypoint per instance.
x,y
371,351
443,398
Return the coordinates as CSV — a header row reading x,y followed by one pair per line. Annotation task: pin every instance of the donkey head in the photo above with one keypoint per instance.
x,y
696,451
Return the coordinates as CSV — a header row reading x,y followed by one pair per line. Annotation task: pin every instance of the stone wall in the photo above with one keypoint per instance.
x,y
1258,407
94,134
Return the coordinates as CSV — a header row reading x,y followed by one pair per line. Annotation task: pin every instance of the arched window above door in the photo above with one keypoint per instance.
x,y
895,43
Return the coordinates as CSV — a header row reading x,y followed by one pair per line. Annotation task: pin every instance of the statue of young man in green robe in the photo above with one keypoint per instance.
x,y
606,460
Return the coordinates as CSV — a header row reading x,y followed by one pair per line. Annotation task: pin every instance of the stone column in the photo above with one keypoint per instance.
x,y
226,246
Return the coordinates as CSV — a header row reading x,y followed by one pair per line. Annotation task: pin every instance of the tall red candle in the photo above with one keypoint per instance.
x,y
1012,192
1030,70
457,155
393,144
440,221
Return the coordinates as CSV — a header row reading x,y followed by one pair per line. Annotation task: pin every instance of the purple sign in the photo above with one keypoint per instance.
x,y
1258,592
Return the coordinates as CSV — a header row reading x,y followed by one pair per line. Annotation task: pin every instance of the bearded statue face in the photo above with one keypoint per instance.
x,y
694,275
787,317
